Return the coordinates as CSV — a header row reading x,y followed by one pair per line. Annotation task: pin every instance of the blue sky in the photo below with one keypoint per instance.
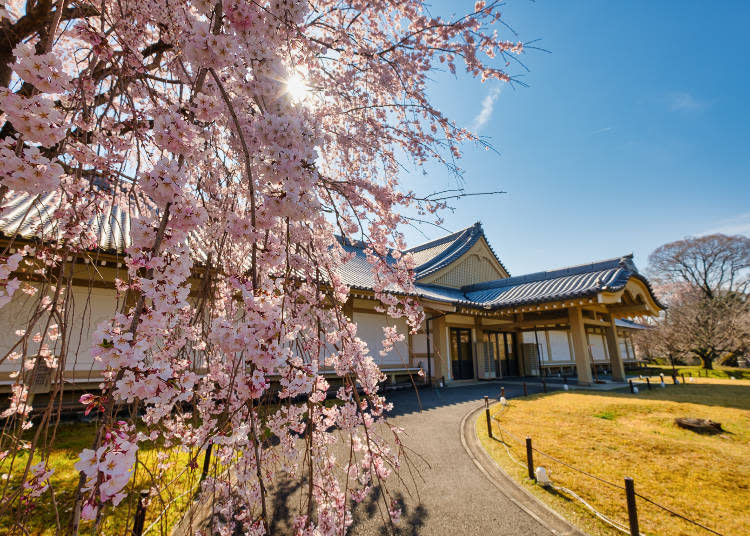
x,y
634,131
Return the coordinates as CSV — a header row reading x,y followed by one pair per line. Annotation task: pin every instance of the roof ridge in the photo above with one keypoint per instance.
x,y
437,241
615,262
461,243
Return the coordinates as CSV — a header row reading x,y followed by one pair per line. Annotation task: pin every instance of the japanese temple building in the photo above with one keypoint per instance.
x,y
481,323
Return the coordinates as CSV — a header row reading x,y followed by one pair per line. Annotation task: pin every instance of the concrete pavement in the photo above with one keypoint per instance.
x,y
458,490
453,487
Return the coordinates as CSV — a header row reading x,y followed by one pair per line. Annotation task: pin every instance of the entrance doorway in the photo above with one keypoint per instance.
x,y
502,346
462,362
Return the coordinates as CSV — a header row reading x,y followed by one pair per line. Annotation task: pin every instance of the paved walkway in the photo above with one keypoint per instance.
x,y
460,490
456,495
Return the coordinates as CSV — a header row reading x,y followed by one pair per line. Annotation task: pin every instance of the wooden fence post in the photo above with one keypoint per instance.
x,y
487,415
525,390
530,458
632,512
140,514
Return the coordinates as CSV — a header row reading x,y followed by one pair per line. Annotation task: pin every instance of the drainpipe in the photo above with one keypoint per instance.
x,y
429,352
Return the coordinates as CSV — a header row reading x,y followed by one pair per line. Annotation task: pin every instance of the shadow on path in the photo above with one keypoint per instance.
x,y
412,522
407,401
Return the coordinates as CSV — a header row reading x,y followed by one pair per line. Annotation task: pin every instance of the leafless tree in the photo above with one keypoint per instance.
x,y
714,263
704,281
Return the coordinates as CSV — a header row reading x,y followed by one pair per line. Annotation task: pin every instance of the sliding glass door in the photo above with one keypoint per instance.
x,y
462,362
502,346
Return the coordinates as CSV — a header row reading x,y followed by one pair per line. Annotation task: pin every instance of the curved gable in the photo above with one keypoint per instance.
x,y
635,298
477,265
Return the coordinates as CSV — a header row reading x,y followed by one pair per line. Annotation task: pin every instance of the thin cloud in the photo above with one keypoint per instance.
x,y
683,101
602,130
488,104
739,224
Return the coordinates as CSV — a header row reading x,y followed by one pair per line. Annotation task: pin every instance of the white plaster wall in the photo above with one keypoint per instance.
x,y
631,349
559,346
598,348
87,309
370,329
623,348
419,343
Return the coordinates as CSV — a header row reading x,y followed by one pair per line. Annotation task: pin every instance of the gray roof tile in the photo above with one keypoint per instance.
x,y
580,281
37,220
28,219
624,323
439,253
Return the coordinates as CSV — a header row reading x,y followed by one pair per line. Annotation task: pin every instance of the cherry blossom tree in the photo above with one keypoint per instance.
x,y
248,139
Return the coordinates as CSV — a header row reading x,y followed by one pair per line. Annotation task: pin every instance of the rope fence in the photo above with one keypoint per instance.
x,y
597,513
633,530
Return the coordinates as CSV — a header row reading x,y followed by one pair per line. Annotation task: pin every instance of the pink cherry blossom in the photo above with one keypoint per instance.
x,y
227,197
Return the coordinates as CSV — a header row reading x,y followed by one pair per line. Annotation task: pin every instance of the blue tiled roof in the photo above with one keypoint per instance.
x,y
582,281
429,257
28,217
357,272
437,254
445,294
623,323
566,283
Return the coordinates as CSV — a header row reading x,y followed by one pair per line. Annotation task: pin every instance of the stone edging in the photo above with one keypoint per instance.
x,y
527,502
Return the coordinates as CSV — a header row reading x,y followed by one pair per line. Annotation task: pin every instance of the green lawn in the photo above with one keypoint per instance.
x,y
697,371
613,435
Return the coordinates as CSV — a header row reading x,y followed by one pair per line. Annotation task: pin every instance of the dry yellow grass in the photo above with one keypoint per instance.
x,y
614,435
71,439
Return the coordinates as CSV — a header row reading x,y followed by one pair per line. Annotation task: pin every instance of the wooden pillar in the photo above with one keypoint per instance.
x,y
615,359
517,347
349,309
439,349
580,347
479,349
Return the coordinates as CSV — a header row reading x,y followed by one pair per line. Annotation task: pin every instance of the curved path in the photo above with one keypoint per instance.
x,y
461,491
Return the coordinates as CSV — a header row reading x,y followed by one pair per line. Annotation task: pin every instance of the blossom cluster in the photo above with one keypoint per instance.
x,y
9,284
30,172
36,118
44,71
108,468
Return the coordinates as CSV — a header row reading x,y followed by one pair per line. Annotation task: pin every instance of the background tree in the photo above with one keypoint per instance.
x,y
241,136
704,282
663,338
713,264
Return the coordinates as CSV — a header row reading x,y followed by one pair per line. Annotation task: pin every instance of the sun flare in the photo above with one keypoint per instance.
x,y
297,88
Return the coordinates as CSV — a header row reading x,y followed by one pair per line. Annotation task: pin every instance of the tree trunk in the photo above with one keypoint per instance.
x,y
707,359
